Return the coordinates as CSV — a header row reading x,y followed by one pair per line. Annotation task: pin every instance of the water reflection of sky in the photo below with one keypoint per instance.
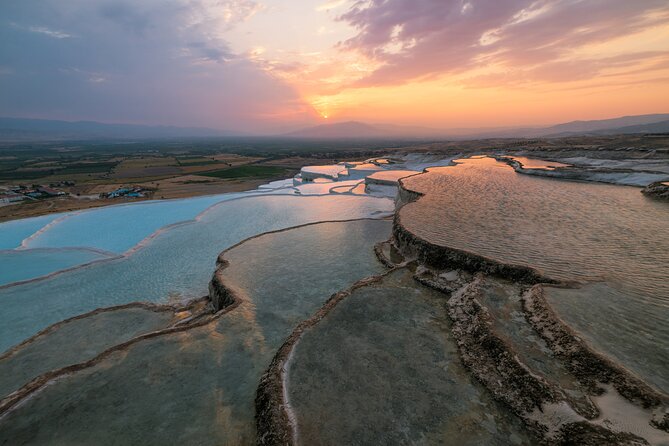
x,y
571,230
589,232
176,263
533,163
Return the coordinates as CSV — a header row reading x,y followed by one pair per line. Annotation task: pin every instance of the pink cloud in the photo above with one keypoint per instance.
x,y
452,36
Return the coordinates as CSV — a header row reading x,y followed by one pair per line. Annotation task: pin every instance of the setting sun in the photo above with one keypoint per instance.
x,y
334,222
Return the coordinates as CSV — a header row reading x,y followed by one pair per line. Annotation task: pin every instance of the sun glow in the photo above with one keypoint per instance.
x,y
372,81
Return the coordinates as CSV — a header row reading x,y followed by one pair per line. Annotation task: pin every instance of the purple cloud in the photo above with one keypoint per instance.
x,y
416,39
152,62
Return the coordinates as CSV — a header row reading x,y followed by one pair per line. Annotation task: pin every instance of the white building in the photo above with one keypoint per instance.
x,y
10,198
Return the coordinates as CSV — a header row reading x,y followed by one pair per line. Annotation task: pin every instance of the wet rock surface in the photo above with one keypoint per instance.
x,y
550,411
658,190
382,367
630,172
589,367
586,434
444,257
415,354
490,359
196,383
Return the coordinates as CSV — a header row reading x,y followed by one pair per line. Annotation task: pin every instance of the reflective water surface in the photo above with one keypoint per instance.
x,y
119,228
77,341
25,264
533,163
12,233
570,230
177,264
383,368
198,386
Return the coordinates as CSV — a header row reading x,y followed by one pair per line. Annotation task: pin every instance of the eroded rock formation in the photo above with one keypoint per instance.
x,y
658,190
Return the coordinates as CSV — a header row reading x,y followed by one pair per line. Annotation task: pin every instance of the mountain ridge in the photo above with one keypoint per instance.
x,y
357,129
26,129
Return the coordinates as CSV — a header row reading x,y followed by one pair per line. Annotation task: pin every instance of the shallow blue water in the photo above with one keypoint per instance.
x,y
18,265
198,387
12,233
119,228
176,264
112,229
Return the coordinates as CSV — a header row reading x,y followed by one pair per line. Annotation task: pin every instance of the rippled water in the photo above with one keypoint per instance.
x,y
19,265
12,233
119,228
77,341
383,368
621,322
198,387
176,264
35,247
570,230
532,163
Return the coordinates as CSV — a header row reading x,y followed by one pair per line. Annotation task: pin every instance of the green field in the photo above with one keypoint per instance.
x,y
246,172
195,161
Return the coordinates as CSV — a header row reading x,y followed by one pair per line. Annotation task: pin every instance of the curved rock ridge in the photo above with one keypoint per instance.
x,y
389,177
221,294
381,255
191,249
519,167
491,361
144,305
495,363
383,368
274,420
273,416
444,257
200,318
405,195
11,264
224,293
658,190
83,337
388,254
589,367
611,175
543,406
223,299
550,412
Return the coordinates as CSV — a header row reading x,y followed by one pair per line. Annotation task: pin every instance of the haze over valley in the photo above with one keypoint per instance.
x,y
237,222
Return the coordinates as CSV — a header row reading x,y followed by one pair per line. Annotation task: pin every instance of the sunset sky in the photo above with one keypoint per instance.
x,y
270,66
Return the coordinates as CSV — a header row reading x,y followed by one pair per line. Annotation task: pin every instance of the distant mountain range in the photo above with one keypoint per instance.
x,y
654,127
19,129
361,130
656,123
627,124
350,129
